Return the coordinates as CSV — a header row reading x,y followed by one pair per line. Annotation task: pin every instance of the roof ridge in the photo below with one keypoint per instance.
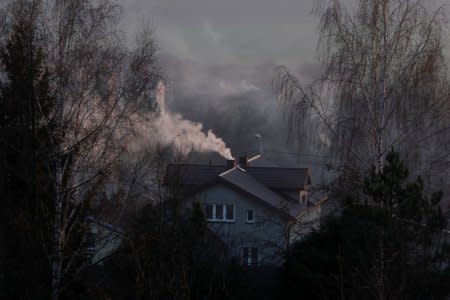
x,y
289,168
226,172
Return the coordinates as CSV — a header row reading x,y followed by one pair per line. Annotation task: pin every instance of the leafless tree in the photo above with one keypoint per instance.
x,y
97,82
384,85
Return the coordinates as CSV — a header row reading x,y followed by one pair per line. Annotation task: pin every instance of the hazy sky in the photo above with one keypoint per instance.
x,y
219,57
231,31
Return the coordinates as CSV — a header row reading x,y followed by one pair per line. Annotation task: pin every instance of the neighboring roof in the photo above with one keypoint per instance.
x,y
245,182
274,178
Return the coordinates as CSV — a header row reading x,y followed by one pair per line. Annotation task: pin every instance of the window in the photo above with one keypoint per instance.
x,y
209,212
250,256
250,216
219,212
230,212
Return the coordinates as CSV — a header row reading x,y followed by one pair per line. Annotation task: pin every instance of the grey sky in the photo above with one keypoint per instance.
x,y
229,32
219,58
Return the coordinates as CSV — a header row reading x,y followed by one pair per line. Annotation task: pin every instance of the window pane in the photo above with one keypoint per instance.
x,y
250,215
219,211
209,211
254,256
245,256
230,212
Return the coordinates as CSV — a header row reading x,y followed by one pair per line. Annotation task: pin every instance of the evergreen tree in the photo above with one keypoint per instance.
x,y
26,176
394,248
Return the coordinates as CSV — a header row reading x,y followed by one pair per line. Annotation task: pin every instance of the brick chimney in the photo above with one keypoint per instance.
x,y
230,163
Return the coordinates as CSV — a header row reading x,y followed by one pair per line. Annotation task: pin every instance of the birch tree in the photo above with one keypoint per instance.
x,y
96,83
384,84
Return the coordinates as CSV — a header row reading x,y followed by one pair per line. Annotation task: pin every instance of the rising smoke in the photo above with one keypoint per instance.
x,y
236,101
186,136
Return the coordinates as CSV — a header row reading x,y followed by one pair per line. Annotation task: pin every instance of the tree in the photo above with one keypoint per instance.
x,y
67,106
397,251
25,180
384,84
171,257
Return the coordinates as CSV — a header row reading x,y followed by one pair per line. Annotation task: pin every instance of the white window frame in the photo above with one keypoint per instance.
x,y
223,218
248,260
254,216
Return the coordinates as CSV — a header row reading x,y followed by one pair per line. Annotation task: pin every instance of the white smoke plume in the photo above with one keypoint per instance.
x,y
172,129
188,136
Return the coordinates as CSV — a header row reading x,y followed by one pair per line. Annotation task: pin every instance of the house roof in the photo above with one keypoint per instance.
x,y
272,177
269,184
282,178
245,182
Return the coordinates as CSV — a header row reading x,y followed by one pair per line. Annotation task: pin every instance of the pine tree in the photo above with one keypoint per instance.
x,y
394,248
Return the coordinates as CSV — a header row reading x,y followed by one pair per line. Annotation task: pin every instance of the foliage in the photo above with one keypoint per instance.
x,y
25,181
172,258
27,177
393,251
68,92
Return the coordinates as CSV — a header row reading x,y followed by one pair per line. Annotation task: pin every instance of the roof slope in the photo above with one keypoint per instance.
x,y
274,178
281,178
242,180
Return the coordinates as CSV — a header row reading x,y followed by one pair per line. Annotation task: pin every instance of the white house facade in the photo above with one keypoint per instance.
x,y
256,211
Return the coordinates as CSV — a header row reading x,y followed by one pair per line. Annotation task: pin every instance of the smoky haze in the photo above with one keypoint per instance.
x,y
236,102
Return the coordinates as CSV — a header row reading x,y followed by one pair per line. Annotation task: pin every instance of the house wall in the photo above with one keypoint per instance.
x,y
268,233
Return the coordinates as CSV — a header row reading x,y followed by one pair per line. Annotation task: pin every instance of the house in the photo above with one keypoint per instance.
x,y
256,211
102,239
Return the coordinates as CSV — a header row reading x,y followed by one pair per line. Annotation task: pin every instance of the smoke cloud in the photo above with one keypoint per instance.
x,y
235,101
188,136
167,128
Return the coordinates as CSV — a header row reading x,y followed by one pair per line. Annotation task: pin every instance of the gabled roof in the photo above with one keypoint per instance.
x,y
268,184
246,183
271,177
